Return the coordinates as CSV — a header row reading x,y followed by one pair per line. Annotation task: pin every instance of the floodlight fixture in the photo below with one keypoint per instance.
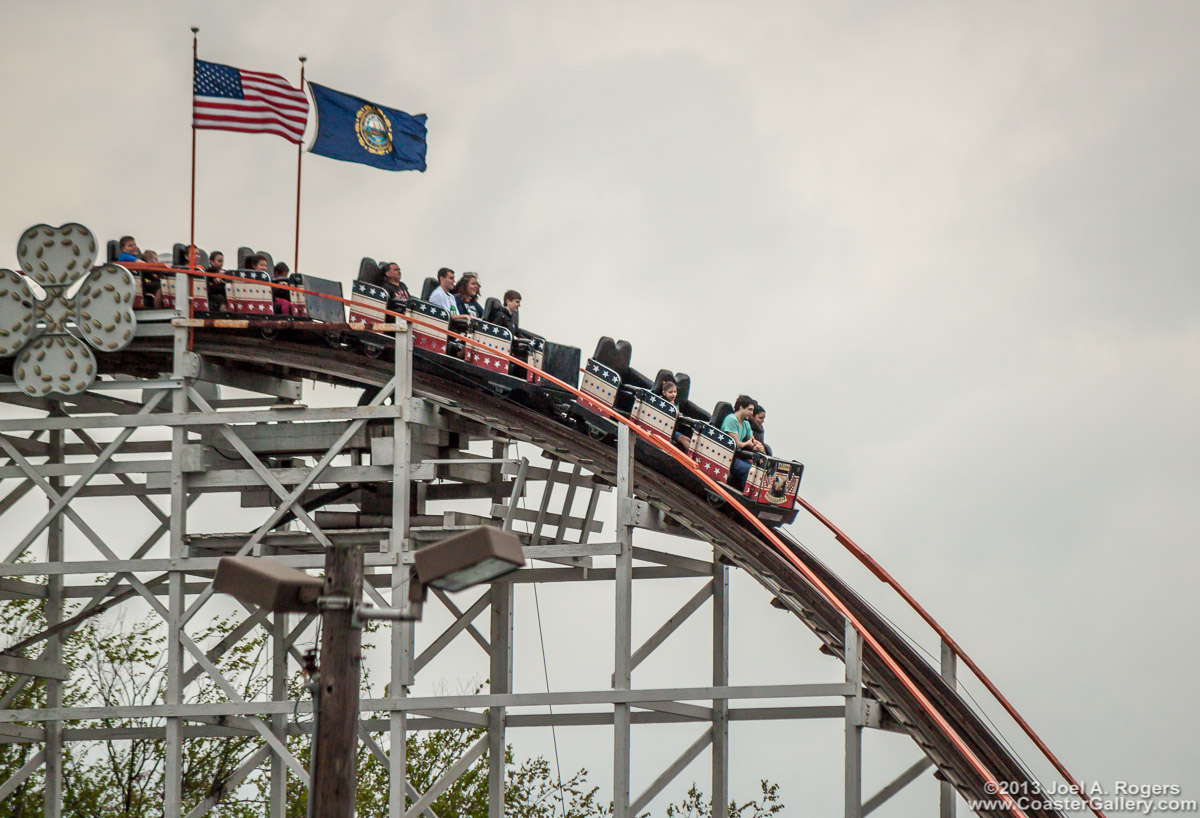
x,y
473,557
268,583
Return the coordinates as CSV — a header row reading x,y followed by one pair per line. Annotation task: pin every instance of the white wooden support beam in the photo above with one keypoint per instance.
x,y
41,668
947,797
449,777
18,778
461,623
316,472
720,678
500,676
402,641
668,775
854,722
623,660
670,626
898,783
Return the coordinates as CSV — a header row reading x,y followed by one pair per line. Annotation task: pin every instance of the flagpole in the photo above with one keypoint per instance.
x,y
192,227
192,219
299,163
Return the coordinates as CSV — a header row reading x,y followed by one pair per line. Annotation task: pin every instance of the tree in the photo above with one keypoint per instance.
x,y
695,805
120,664
21,618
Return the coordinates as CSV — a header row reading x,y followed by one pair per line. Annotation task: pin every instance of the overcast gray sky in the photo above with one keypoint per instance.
x,y
951,247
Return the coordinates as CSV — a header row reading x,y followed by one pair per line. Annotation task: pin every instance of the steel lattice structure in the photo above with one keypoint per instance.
x,y
408,446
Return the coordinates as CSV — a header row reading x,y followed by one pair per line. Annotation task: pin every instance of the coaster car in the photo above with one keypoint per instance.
x,y
433,350
603,376
610,382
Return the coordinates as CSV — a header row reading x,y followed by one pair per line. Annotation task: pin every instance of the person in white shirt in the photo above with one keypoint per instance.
x,y
443,295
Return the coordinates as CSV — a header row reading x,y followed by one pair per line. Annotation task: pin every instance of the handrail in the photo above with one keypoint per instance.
x,y
878,570
722,491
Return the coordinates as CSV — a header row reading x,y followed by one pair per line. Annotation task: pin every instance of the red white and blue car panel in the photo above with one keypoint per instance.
x,y
166,291
712,449
367,303
139,297
432,338
495,338
250,292
299,304
199,285
600,384
537,353
654,413
773,481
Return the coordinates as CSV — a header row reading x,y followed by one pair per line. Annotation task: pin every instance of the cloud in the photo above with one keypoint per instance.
x,y
950,247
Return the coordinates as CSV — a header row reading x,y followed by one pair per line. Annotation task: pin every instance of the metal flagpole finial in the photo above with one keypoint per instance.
x,y
195,29
303,59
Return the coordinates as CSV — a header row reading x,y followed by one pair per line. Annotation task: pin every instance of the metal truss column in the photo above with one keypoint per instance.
x,y
623,663
855,717
403,633
501,594
173,747
720,718
948,797
52,803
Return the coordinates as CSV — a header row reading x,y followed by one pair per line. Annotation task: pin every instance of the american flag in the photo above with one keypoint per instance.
x,y
229,99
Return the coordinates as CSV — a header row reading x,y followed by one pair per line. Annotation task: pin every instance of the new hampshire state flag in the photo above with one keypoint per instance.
x,y
354,130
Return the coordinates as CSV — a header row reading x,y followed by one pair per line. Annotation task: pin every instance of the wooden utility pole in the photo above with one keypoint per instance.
x,y
334,769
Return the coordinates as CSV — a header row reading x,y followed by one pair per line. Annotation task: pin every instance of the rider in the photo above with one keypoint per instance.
x,y
467,293
443,295
669,391
506,316
281,297
216,286
129,249
151,279
396,289
756,426
737,424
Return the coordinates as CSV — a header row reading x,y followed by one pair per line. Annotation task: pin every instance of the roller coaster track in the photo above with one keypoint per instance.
x,y
915,697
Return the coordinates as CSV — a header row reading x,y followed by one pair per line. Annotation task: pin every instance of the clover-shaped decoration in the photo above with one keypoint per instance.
x,y
59,300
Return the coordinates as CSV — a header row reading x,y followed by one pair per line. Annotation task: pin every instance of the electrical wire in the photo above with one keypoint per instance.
x,y
546,671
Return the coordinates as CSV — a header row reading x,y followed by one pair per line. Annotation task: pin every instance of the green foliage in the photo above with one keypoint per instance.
x,y
124,664
119,665
695,805
20,618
